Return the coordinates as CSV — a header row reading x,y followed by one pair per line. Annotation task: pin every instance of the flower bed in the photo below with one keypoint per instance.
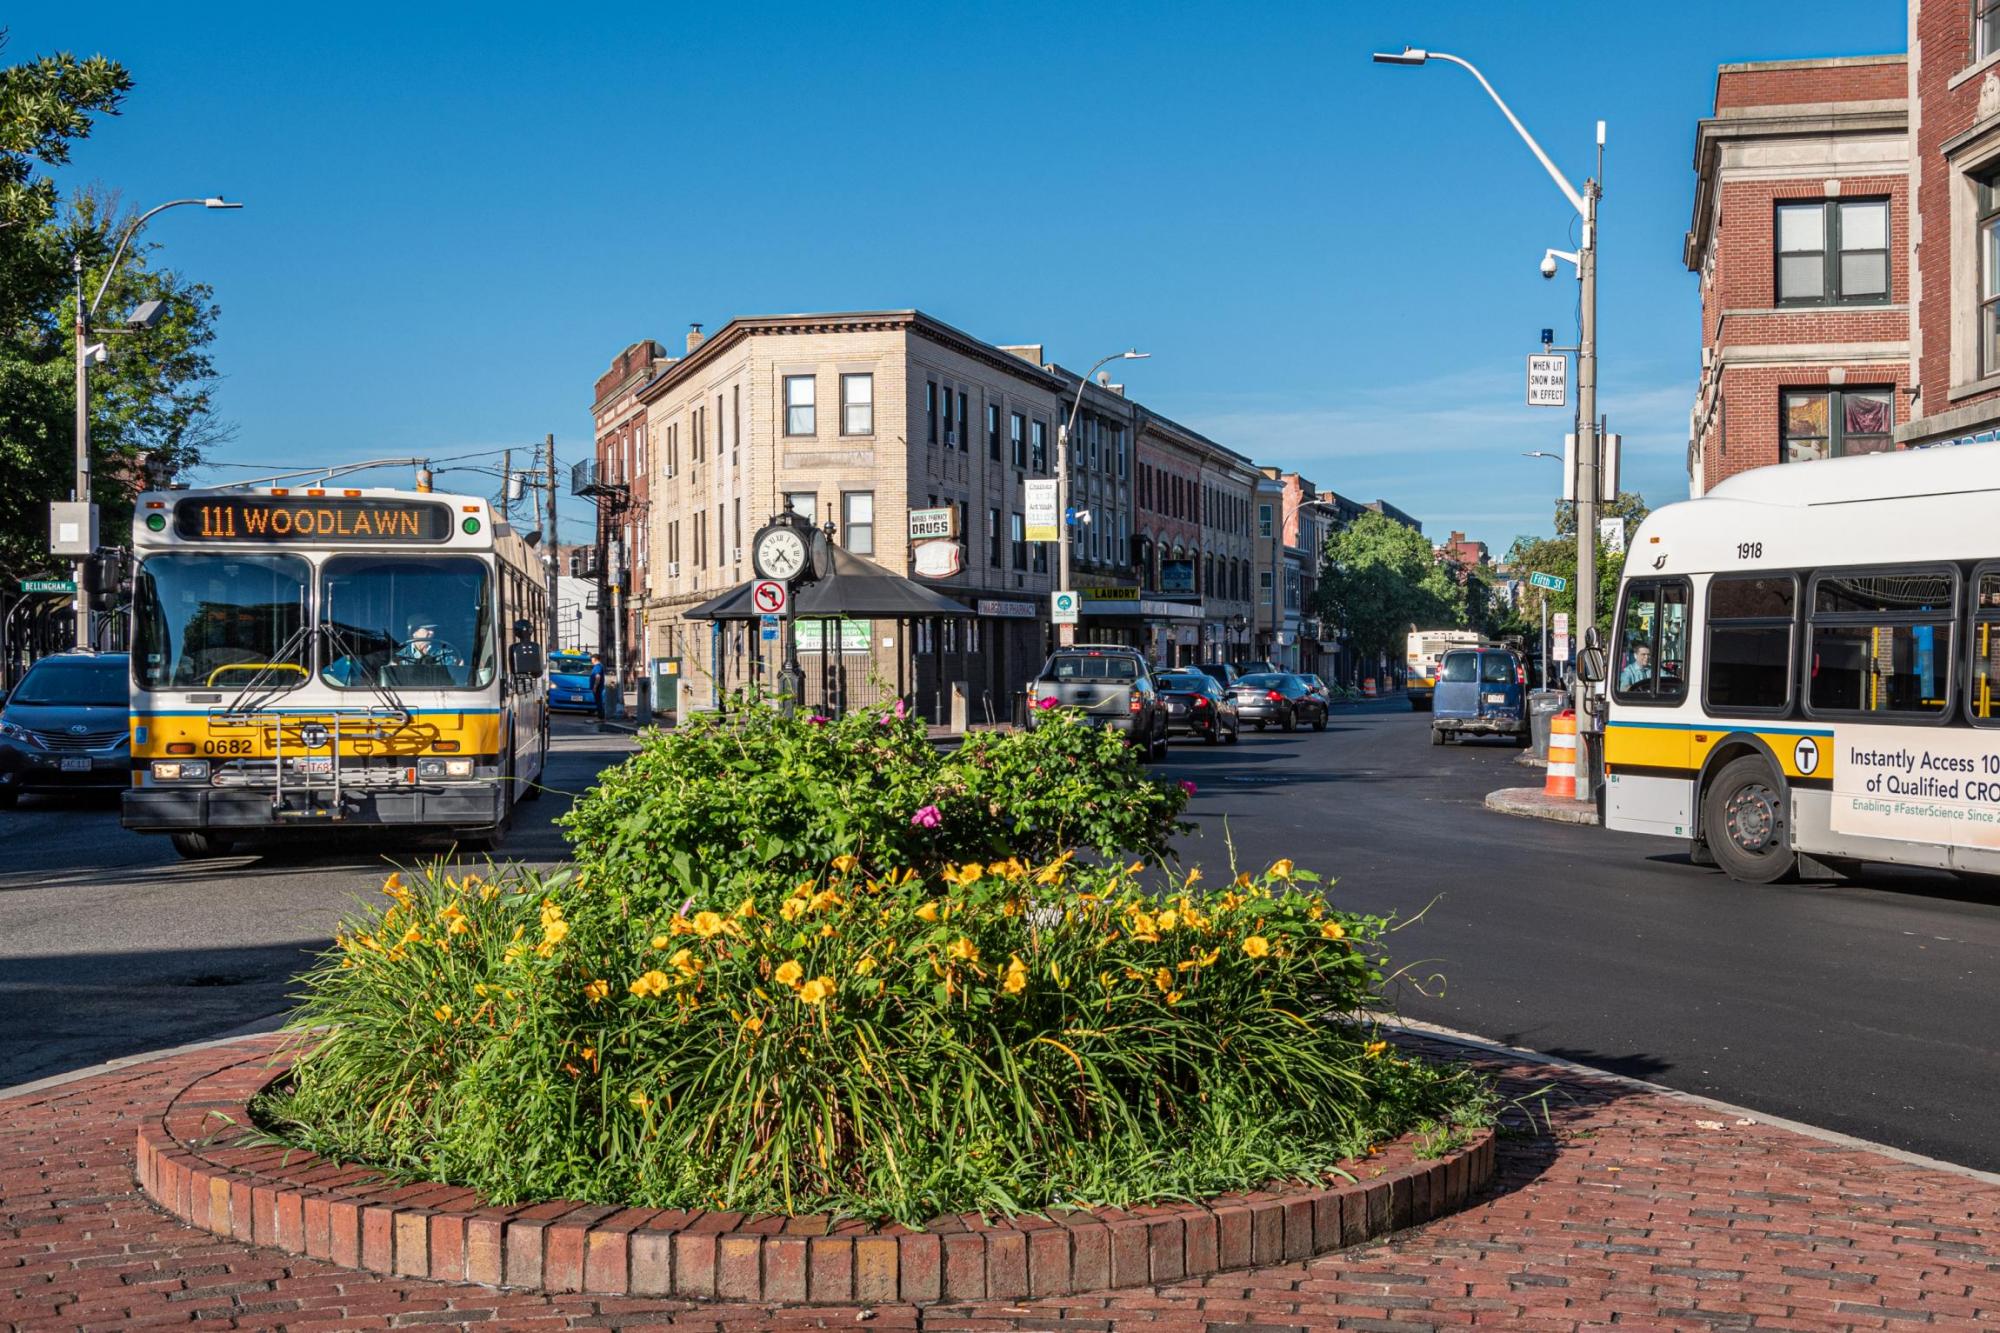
x,y
898,997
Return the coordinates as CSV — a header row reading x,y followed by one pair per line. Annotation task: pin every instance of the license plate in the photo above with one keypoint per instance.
x,y
75,765
317,767
1496,698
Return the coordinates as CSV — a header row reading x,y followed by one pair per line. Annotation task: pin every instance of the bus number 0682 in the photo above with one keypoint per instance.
x,y
226,747
1749,550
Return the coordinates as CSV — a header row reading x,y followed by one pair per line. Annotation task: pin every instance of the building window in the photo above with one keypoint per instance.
x,y
1018,532
1833,251
964,424
930,409
1835,423
1989,274
857,404
1038,446
735,421
799,418
993,537
1263,520
1985,27
1017,431
804,504
857,527
993,431
1041,557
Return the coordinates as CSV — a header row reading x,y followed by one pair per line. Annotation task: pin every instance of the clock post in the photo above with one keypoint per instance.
x,y
784,550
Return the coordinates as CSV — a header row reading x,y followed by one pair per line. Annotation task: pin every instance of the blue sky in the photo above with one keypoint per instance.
x,y
456,216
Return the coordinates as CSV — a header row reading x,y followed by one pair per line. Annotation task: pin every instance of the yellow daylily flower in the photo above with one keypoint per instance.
x,y
651,984
1281,868
928,912
1332,930
789,972
662,941
596,990
1015,980
1257,946
964,950
817,991
1374,1049
846,862
708,924
442,1013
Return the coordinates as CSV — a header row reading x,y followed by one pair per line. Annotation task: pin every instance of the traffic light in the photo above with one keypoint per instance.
x,y
104,574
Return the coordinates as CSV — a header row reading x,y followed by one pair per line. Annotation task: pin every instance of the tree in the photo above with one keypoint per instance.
x,y
151,400
1379,577
1557,555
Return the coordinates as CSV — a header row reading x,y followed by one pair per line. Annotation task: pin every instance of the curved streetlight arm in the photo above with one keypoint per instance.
x,y
1562,183
133,230
1069,427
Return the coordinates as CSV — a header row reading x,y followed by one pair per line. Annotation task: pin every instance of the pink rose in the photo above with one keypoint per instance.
x,y
928,817
819,719
1187,786
902,710
1046,702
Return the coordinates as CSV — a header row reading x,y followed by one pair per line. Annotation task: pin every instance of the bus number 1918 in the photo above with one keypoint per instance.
x,y
1749,550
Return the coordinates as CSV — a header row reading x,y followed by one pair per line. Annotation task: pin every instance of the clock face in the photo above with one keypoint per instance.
x,y
780,554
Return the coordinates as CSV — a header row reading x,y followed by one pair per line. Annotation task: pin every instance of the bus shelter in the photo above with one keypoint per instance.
x,y
865,636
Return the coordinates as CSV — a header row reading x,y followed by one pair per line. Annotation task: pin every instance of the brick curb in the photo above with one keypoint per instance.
x,y
1532,803
193,1161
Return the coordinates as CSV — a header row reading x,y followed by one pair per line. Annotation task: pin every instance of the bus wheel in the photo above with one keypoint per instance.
x,y
200,846
1747,822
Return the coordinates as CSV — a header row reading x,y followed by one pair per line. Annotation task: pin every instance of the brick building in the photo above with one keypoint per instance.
x,y
1954,89
1192,553
617,479
1801,239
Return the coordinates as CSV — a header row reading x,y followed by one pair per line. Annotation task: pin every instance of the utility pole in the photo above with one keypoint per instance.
x,y
82,495
1587,444
552,549
1066,634
507,484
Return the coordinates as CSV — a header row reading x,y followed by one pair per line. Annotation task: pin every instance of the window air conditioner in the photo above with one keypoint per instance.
x,y
673,569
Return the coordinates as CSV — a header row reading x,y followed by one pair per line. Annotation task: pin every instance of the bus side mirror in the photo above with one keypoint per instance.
x,y
1590,665
526,658
523,630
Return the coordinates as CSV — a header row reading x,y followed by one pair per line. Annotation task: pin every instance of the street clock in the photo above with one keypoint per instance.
x,y
790,550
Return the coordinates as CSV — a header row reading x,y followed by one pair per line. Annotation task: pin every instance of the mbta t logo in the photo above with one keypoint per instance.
x,y
1806,755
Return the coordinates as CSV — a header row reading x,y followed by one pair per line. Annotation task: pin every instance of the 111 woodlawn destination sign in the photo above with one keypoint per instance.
x,y
259,518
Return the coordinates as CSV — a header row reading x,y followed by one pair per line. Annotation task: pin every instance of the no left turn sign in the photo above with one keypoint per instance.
x,y
768,596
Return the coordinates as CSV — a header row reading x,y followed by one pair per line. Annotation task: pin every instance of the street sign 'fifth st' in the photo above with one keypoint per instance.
x,y
1548,380
1552,582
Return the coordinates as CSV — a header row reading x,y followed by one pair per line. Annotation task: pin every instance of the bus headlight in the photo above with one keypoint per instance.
x,y
443,768
180,770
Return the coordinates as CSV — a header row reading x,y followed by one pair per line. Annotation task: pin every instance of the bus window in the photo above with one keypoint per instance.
x,y
1985,645
212,621
1651,658
1749,660
418,623
1881,643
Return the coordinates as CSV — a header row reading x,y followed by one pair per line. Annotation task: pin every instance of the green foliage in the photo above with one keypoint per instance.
x,y
151,399
1379,578
727,795
863,1039
1557,555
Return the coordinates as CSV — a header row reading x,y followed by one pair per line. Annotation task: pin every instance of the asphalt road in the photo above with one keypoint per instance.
x,y
1860,1006
1865,1006
110,944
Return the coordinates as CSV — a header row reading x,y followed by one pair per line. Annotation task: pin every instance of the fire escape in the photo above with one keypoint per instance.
x,y
607,488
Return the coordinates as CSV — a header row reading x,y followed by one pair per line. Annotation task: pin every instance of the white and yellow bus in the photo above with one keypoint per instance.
x,y
1803,667
307,657
1426,648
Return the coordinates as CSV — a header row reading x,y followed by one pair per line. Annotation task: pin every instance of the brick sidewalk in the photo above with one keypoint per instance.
x,y
1626,1205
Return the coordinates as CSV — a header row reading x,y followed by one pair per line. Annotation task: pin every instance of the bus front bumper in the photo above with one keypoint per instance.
x,y
185,809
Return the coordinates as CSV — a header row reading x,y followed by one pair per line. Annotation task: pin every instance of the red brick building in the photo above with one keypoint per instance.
x,y
1954,80
617,481
1801,238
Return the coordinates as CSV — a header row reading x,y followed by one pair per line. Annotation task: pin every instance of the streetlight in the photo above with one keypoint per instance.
x,y
1285,515
1066,634
143,317
1584,201
1542,453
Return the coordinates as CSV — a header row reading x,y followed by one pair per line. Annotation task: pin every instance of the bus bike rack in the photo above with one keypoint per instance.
x,y
372,723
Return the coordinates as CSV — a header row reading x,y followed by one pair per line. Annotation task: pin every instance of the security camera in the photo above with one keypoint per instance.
x,y
1548,266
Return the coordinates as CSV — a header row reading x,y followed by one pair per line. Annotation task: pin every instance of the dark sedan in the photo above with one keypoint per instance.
x,y
1281,699
67,727
1197,705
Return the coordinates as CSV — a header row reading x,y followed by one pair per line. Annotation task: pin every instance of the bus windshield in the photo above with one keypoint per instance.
x,y
220,621
411,623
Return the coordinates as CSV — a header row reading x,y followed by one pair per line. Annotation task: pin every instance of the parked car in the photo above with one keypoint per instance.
x,y
1480,692
576,683
67,727
1197,704
1111,686
1280,698
1223,674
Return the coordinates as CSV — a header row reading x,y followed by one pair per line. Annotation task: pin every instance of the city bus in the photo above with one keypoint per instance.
x,y
1801,672
1426,649
311,657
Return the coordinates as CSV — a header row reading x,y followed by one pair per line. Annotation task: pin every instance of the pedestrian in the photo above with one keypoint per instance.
x,y
597,682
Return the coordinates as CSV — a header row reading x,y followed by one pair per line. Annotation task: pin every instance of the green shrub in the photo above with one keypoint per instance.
x,y
863,1038
751,792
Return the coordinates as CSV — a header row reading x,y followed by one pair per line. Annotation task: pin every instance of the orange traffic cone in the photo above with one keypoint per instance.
x,y
1562,756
